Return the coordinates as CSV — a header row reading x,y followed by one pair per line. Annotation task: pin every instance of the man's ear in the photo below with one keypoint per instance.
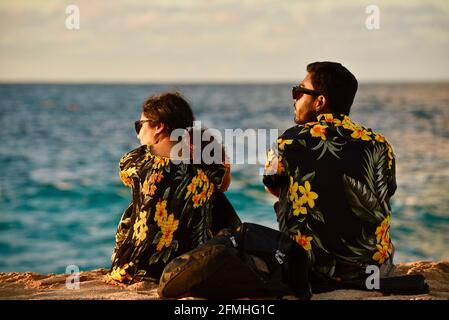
x,y
321,104
160,128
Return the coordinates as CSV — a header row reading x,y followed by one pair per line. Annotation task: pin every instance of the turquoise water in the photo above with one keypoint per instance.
x,y
61,198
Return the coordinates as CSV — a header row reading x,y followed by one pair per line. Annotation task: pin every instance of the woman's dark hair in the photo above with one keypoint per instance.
x,y
169,108
336,83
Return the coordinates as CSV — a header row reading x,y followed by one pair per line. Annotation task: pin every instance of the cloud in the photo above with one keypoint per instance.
x,y
229,40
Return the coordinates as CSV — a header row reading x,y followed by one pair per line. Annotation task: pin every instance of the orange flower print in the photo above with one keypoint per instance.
x,y
146,188
126,176
379,138
303,240
149,186
161,212
200,188
282,143
329,118
360,133
156,177
160,162
310,124
348,124
308,196
319,131
168,227
383,252
384,245
382,229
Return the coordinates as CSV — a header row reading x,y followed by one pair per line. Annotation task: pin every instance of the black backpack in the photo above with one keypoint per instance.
x,y
253,262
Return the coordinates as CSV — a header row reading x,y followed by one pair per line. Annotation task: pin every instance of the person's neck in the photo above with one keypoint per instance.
x,y
163,147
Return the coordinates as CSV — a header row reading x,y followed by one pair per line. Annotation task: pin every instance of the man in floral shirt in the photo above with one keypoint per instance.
x,y
334,179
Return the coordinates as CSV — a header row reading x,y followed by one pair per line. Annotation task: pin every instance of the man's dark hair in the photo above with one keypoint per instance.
x,y
169,108
336,83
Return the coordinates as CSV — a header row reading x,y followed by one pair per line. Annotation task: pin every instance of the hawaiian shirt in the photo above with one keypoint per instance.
x,y
335,178
171,212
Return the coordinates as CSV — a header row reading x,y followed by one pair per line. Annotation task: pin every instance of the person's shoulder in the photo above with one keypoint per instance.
x,y
292,132
133,156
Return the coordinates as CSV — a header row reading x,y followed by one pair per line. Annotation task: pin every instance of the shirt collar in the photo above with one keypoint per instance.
x,y
329,117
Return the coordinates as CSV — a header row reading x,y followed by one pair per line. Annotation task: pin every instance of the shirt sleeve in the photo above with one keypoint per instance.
x,y
274,173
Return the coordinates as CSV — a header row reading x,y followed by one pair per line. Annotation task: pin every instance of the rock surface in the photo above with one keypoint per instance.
x,y
30,285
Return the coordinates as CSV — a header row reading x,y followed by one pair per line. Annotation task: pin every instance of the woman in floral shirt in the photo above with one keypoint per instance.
x,y
176,205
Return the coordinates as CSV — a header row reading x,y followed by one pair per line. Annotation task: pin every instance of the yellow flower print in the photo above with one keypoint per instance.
x,y
298,208
161,212
308,196
156,177
385,239
126,176
148,153
329,118
168,227
282,143
384,246
348,124
383,253
160,162
390,156
191,188
120,274
319,131
148,188
303,240
141,228
200,188
360,133
310,124
202,176
293,190
382,229
379,138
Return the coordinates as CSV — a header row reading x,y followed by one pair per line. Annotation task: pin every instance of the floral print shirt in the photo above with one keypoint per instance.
x,y
335,178
170,212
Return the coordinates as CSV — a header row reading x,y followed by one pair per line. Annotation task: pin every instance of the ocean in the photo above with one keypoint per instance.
x,y
61,197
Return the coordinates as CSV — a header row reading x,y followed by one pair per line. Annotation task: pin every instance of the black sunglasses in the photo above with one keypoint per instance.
x,y
138,125
298,91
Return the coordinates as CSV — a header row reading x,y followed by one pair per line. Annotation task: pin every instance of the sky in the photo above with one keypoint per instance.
x,y
221,41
